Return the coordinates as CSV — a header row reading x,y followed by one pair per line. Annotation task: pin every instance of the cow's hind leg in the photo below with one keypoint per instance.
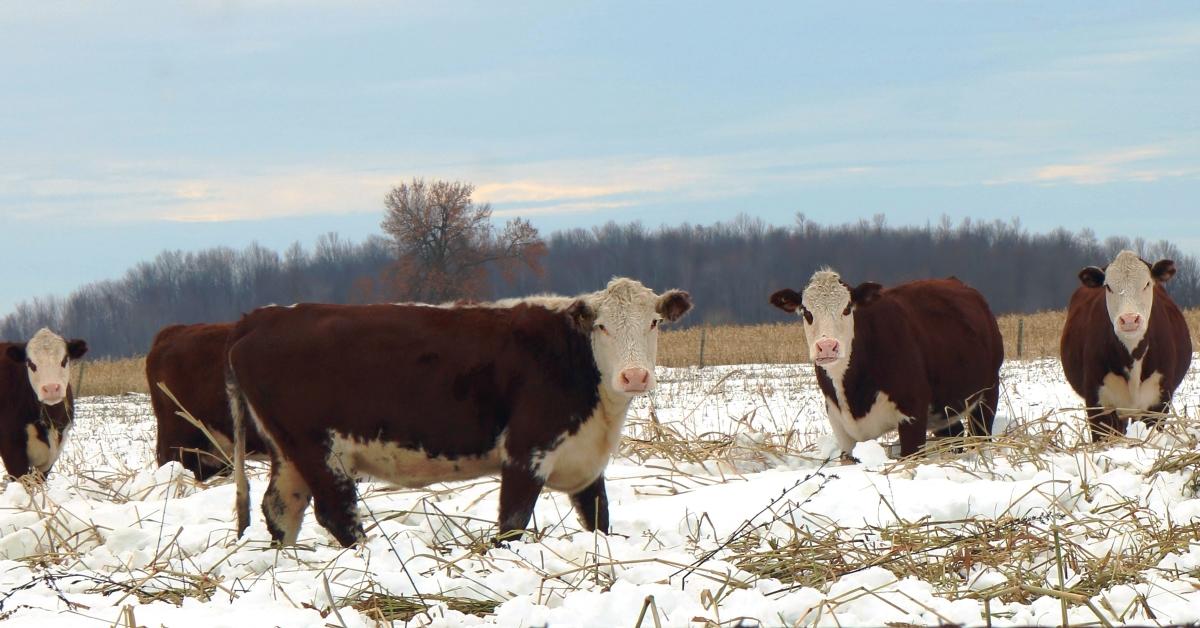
x,y
982,418
591,504
285,501
335,498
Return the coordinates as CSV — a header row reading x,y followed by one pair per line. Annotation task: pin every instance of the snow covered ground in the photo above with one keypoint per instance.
x,y
722,510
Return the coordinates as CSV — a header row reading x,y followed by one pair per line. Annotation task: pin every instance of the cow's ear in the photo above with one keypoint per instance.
x,y
582,315
1163,270
865,293
674,304
1091,277
787,300
76,348
16,353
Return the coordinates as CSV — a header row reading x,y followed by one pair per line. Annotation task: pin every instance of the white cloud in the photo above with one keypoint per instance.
x,y
1107,167
121,192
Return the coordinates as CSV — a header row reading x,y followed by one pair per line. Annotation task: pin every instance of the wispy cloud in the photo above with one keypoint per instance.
x,y
1142,164
568,186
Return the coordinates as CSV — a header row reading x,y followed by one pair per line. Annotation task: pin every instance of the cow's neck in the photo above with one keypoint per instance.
x,y
612,409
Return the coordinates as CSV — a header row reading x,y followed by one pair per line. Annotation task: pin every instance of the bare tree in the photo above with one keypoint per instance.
x,y
446,243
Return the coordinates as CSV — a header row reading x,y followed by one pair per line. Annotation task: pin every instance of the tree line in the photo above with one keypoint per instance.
x,y
729,267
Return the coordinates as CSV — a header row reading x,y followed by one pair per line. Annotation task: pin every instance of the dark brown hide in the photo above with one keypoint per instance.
x,y
1091,350
19,407
933,347
190,360
443,381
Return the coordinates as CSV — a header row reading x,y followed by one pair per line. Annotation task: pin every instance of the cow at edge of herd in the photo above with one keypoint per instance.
x,y
537,389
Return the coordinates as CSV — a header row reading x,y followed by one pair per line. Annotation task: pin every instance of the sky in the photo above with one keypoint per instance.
x,y
125,131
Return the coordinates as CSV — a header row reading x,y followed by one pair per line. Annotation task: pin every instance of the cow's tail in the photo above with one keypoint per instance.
x,y
238,409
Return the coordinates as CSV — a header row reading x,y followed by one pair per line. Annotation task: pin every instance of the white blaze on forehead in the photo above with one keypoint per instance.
x,y
47,352
826,293
1129,291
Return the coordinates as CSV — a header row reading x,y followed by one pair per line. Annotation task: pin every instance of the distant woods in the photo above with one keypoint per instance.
x,y
729,268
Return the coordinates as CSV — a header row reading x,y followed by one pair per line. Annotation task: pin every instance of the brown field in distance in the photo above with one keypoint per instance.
x,y
781,343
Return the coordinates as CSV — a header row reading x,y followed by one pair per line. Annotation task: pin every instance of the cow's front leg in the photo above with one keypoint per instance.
x,y
844,440
519,490
14,450
1103,424
591,504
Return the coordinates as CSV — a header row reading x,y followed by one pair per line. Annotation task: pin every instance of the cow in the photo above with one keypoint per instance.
x,y
917,357
535,391
190,361
36,401
1125,346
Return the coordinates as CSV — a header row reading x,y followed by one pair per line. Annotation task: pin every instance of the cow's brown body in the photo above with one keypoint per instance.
x,y
431,393
1093,357
31,434
190,361
934,349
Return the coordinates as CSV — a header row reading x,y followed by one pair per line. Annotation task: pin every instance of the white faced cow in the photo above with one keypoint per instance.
x,y
535,390
1125,346
920,356
35,400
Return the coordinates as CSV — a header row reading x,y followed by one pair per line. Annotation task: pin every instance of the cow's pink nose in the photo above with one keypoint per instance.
x,y
827,350
1129,322
635,380
51,390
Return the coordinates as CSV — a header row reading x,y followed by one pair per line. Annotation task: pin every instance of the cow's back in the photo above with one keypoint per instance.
x,y
446,380
1174,337
954,330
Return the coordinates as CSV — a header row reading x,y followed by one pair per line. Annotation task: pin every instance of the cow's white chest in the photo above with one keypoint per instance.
x,y
882,418
411,468
41,454
1131,393
578,459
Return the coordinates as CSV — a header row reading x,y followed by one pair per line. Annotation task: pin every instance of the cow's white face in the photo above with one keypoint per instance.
x,y
47,358
827,307
627,316
1129,292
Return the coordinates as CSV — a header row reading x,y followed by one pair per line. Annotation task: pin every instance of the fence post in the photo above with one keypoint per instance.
x,y
703,333
1020,337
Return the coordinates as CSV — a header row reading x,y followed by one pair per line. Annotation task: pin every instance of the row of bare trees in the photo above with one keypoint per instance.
x,y
441,246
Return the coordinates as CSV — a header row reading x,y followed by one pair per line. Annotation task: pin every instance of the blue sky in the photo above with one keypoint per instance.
x,y
127,131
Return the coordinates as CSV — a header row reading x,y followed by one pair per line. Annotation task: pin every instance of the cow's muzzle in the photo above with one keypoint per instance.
x,y
828,350
634,380
1129,323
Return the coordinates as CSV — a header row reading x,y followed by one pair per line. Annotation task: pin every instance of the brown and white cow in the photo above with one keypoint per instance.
x,y
1125,346
190,361
917,357
36,400
535,391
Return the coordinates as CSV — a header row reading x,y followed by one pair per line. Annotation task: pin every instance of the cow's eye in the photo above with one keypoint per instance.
x,y
654,323
601,328
808,317
64,362
32,366
1147,285
1108,287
